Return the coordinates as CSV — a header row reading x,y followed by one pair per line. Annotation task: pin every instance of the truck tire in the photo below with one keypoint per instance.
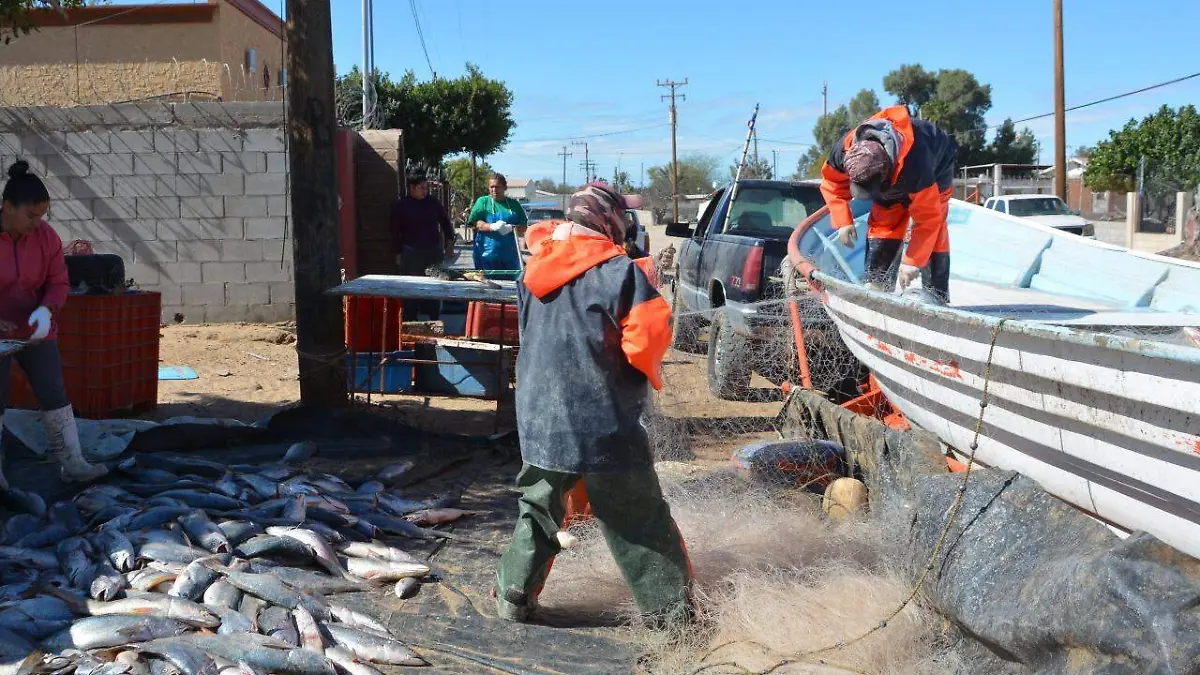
x,y
687,327
728,360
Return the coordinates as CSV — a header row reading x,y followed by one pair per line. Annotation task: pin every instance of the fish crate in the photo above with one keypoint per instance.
x,y
377,373
372,324
108,345
487,320
463,368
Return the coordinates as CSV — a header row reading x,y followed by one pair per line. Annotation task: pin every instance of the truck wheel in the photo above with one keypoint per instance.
x,y
728,361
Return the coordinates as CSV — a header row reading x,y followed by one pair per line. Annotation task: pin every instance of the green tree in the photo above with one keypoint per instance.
x,y
16,17
912,86
760,169
1010,147
864,104
441,117
458,173
697,173
622,183
1168,139
830,129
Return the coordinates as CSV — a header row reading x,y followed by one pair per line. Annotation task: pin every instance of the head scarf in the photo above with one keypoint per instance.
x,y
867,163
601,209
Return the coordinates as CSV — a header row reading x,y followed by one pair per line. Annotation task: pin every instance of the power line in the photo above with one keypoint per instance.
x,y
1110,98
421,36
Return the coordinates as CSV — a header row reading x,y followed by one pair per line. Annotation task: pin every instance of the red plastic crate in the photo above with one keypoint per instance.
x,y
372,324
109,350
483,322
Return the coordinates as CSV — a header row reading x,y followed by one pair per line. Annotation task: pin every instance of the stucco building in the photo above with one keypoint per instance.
x,y
228,49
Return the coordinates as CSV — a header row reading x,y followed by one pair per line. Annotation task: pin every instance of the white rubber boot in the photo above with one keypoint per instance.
x,y
64,447
3,480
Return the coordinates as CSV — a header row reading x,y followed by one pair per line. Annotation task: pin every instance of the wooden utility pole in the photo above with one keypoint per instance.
x,y
311,127
586,165
824,98
564,154
1060,103
674,152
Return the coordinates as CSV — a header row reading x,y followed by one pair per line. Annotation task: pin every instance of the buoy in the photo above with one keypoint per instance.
x,y
844,498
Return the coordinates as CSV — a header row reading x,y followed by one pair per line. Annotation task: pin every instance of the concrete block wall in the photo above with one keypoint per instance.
x,y
192,196
378,181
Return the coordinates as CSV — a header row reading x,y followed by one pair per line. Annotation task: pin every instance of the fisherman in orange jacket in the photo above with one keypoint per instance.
x,y
593,335
906,167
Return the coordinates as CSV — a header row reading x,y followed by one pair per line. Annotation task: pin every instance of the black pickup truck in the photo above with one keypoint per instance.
x,y
728,265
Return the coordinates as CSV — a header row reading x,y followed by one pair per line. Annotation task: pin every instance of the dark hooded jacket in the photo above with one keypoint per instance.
x,y
593,334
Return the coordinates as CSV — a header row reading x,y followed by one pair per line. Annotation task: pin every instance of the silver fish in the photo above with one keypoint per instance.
x,y
270,545
149,579
167,552
403,527
326,532
204,532
384,570
274,591
29,557
131,659
197,577
29,502
263,652
348,662
188,658
107,583
73,559
113,631
221,593
352,617
151,517
203,500
394,472
20,525
300,452
372,647
330,483
13,644
320,548
67,515
371,487
376,549
118,548
407,587
311,582
309,630
47,536
265,487
237,531
233,621
251,607
158,605
296,510
277,623
227,485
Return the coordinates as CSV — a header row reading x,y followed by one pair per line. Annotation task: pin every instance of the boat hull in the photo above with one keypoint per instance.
x,y
1108,424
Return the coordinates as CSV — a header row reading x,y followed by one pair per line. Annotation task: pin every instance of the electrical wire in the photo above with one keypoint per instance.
x,y
585,137
1107,99
421,36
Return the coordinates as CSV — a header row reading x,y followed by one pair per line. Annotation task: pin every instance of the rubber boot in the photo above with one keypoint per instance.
x,y
63,437
3,480
935,276
881,268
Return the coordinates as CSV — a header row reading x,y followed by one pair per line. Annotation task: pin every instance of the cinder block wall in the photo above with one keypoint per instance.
x,y
379,177
193,197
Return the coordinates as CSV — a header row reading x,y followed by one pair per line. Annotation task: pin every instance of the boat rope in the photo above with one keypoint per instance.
x,y
951,515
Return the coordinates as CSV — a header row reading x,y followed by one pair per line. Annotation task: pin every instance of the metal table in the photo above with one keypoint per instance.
x,y
424,288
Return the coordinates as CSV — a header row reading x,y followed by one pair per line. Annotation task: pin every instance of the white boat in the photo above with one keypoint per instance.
x,y
1094,385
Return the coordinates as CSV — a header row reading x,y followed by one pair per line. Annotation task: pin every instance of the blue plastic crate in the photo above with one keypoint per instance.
x,y
367,375
468,368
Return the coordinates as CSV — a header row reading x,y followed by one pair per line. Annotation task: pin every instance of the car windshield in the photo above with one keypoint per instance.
x,y
773,210
545,214
1044,206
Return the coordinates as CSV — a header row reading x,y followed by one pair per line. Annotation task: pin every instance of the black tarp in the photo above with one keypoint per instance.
x,y
1033,584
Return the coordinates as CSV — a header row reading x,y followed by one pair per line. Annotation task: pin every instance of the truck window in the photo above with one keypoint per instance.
x,y
716,206
771,210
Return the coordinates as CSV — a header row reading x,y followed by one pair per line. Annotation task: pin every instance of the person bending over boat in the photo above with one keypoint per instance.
x,y
33,288
593,335
906,167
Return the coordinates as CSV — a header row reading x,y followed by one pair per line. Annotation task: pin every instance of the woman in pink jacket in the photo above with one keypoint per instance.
x,y
33,288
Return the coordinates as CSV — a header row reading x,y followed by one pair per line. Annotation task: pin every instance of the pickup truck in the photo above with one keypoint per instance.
x,y
727,265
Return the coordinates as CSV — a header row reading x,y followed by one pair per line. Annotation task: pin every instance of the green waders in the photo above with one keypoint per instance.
x,y
636,523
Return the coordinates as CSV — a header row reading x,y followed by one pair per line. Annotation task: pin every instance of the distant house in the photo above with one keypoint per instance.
x,y
521,189
228,49
1075,168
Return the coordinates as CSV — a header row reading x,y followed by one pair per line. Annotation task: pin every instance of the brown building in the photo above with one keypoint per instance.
x,y
228,49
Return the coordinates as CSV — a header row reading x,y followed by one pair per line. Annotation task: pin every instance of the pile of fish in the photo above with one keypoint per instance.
x,y
184,566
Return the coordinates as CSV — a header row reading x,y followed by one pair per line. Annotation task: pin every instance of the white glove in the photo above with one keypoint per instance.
x,y
40,320
908,274
848,235
502,228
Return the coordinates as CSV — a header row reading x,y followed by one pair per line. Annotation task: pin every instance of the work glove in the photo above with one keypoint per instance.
x,y
40,320
502,228
908,274
848,235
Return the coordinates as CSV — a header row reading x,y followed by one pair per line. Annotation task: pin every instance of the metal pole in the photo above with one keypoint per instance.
x,y
824,98
1060,116
738,176
366,63
674,144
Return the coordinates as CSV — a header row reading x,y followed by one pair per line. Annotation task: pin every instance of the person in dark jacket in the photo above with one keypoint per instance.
x,y
906,167
593,334
422,236
33,289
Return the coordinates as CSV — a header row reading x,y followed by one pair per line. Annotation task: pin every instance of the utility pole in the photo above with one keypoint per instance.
x,y
672,84
824,98
368,38
586,164
1060,103
315,252
775,165
756,149
564,154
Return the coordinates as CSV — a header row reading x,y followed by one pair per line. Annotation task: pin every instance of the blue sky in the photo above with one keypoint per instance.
x,y
585,69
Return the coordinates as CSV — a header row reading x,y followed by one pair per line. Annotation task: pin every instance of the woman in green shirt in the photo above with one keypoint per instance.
x,y
494,218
